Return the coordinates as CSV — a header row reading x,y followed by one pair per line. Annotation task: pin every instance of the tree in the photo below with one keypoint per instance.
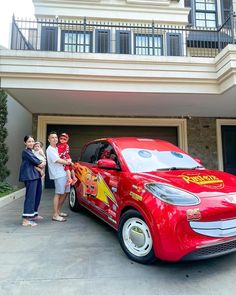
x,y
4,172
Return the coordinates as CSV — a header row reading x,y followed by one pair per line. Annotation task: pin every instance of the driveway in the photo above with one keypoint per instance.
x,y
83,256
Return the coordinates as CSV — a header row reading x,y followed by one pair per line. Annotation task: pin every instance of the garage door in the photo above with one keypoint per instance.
x,y
80,134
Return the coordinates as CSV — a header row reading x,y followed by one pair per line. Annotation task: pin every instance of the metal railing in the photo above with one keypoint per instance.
x,y
84,36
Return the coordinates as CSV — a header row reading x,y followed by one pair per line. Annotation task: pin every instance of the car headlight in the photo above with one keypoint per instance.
x,y
172,195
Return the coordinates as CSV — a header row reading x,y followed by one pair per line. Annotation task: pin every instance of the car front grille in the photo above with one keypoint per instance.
x,y
212,251
216,229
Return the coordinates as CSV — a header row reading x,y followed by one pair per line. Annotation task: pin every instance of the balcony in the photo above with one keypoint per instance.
x,y
149,39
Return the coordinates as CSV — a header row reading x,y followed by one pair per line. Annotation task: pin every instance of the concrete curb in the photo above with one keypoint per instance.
x,y
11,197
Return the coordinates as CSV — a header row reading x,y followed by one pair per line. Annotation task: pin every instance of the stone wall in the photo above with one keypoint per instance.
x,y
202,142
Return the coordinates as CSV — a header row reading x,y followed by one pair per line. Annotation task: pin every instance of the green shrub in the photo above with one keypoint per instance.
x,y
4,172
5,189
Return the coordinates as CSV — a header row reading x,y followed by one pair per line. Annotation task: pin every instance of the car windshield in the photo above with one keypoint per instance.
x,y
143,160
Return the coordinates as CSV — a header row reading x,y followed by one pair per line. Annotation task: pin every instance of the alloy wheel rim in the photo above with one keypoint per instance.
x,y
72,197
136,236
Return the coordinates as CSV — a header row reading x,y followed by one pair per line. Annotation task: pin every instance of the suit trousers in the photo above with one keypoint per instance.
x,y
32,197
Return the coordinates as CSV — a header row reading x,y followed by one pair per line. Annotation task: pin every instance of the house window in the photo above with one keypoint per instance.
x,y
205,13
90,153
123,42
76,41
102,41
148,44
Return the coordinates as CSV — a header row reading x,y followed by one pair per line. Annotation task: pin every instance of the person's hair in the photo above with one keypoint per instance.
x,y
52,132
27,137
37,142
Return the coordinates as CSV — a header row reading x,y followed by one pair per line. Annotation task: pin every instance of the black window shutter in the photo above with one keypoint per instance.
x,y
226,7
174,47
63,40
188,3
49,39
102,39
123,42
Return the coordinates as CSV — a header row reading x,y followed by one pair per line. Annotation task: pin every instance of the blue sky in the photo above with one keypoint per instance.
x,y
22,8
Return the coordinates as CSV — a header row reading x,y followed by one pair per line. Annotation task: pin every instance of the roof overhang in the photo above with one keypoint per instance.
x,y
115,85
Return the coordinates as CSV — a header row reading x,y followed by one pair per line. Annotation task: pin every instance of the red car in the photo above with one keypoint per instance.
x,y
163,203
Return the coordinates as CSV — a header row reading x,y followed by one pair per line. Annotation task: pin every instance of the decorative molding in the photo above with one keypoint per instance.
x,y
148,2
185,74
162,11
181,124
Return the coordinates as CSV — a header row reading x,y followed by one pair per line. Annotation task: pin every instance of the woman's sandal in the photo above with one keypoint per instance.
x,y
62,214
29,223
38,217
58,218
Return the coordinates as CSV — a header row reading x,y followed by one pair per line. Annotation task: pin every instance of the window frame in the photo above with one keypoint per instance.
x,y
79,32
149,47
205,12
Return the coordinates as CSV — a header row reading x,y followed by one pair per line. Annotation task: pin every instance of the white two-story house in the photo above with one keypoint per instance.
x,y
148,68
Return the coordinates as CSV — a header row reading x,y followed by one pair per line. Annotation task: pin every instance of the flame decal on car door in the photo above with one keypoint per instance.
x,y
94,185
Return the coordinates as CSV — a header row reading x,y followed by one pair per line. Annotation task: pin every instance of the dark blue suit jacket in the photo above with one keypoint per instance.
x,y
27,168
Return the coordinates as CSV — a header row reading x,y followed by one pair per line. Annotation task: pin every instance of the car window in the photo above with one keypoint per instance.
x,y
107,152
104,151
90,153
143,160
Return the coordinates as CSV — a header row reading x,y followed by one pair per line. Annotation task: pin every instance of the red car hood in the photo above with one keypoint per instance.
x,y
204,183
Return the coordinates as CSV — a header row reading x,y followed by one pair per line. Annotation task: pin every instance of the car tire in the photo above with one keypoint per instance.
x,y
73,200
135,237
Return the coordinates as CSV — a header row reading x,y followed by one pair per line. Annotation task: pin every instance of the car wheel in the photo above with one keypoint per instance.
x,y
73,200
135,237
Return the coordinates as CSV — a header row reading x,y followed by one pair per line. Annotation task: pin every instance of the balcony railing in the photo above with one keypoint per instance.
x,y
84,36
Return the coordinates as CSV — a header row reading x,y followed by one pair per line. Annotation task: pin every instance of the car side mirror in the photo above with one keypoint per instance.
x,y
107,164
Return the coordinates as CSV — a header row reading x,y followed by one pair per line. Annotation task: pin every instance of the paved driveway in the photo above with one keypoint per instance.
x,y
83,256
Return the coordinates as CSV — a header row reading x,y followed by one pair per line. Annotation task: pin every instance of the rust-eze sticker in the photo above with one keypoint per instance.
x,y
193,214
139,189
204,180
136,196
